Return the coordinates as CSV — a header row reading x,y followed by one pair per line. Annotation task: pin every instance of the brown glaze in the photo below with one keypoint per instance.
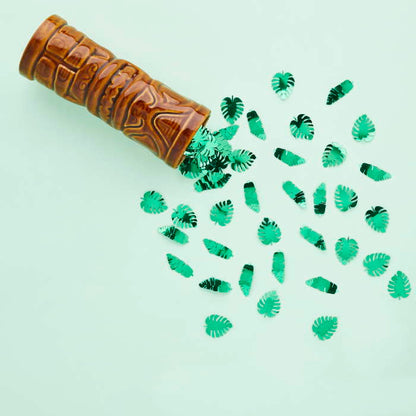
x,y
120,93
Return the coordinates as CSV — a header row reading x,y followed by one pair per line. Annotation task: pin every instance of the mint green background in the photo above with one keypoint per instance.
x,y
92,321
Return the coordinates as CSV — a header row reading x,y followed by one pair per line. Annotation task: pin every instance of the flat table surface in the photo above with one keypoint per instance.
x,y
93,321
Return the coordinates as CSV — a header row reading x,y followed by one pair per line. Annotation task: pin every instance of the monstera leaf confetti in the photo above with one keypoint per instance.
x,y
218,249
246,279
269,232
232,108
399,286
269,304
250,196
283,84
215,285
301,127
319,199
255,125
374,173
216,325
363,129
179,266
222,213
339,91
212,180
241,160
174,234
323,285
313,237
345,198
376,264
295,193
324,327
153,203
334,154
227,133
377,218
278,266
289,158
346,249
184,217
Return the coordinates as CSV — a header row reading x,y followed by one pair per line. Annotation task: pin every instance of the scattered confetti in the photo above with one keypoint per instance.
x,y
376,264
222,212
375,173
269,304
250,196
190,168
289,158
377,218
345,198
363,129
174,234
283,84
346,249
339,91
216,285
301,127
246,279
217,325
399,286
184,217
325,326
334,154
232,108
313,237
153,203
227,133
255,125
322,284
179,266
241,160
269,232
212,180
294,193
319,199
217,249
278,266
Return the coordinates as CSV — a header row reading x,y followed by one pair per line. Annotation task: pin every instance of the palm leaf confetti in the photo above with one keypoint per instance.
x,y
212,180
376,264
255,125
227,133
269,232
246,279
153,203
346,249
250,196
322,284
399,286
377,218
222,213
241,160
324,327
278,266
283,84
345,198
339,91
184,217
269,304
179,266
215,285
313,237
295,193
232,108
363,129
374,173
319,199
174,234
334,154
216,325
217,249
289,158
301,127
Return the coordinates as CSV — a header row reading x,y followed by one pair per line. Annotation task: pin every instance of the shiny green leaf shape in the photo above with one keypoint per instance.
x,y
345,198
339,91
269,232
222,212
323,285
324,327
250,197
288,158
216,325
218,249
294,193
313,237
319,199
301,127
246,279
255,125
215,285
269,304
399,286
179,266
283,84
232,108
346,249
153,203
377,218
374,173
376,264
241,160
363,129
184,217
334,154
278,266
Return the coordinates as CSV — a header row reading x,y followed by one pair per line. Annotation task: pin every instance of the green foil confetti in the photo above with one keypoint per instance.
x,y
346,249
289,158
334,154
269,232
174,234
216,325
190,168
269,304
278,266
283,84
376,264
153,203
246,279
319,200
313,237
250,196
241,160
294,193
212,180
301,127
179,266
339,91
345,198
215,285
374,173
232,108
322,284
399,286
363,129
324,327
227,133
222,213
377,218
218,249
184,217
255,125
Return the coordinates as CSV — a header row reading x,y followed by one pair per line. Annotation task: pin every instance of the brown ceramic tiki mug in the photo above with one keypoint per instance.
x,y
120,93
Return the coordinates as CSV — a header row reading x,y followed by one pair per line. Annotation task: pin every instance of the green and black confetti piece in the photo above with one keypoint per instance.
x,y
322,284
241,160
294,193
184,217
269,232
283,84
250,196
339,91
374,173
289,158
232,108
217,249
319,199
334,154
153,203
222,213
255,125
313,237
246,279
215,285
179,266
212,180
377,218
174,234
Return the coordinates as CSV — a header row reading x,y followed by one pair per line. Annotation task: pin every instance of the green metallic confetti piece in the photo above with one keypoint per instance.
x,y
250,196
184,217
255,125
190,168
319,200
294,193
373,172
216,285
346,249
287,157
222,212
174,234
199,141
313,237
301,127
399,286
232,108
322,284
339,91
345,198
377,218
216,325
212,180
227,133
363,129
241,160
269,304
283,84
324,327
153,203
218,249
334,154
179,266
269,232
246,279
216,162
278,266
376,264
